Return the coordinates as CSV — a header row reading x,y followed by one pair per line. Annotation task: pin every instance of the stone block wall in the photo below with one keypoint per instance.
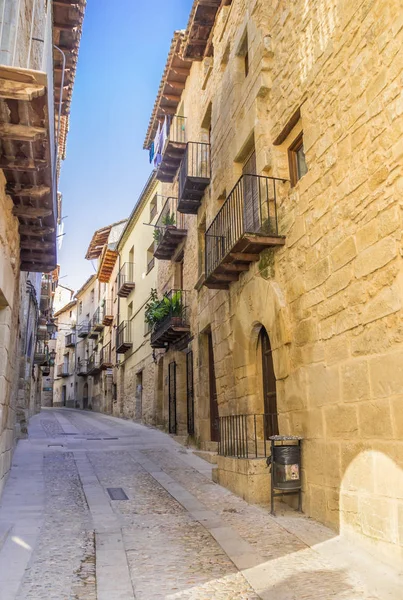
x,y
331,299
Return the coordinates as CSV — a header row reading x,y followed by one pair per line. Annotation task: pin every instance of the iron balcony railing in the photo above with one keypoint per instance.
x,y
194,172
172,319
84,328
41,353
169,229
177,129
107,312
126,279
94,363
247,436
250,208
105,356
97,319
70,340
124,337
82,366
63,370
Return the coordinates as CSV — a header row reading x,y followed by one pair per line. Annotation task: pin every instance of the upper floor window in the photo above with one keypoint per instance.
x,y
296,159
150,258
243,53
80,308
92,295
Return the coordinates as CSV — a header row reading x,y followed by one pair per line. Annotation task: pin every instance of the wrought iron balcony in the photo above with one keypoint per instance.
x,y
169,230
172,320
94,364
173,150
194,176
41,353
83,329
70,340
245,225
82,367
126,280
124,337
107,313
63,370
96,323
105,356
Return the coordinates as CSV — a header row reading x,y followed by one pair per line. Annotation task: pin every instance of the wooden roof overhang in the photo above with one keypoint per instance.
x,y
108,261
172,84
197,41
99,240
26,142
68,18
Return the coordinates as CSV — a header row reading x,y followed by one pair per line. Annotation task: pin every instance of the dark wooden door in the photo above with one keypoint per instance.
x,y
190,393
172,396
269,386
85,396
214,423
251,207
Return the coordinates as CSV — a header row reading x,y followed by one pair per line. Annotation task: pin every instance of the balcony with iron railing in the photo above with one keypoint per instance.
x,y
124,339
107,313
194,176
63,370
94,364
83,329
105,356
82,367
126,280
173,149
169,318
70,340
169,230
245,225
41,354
96,323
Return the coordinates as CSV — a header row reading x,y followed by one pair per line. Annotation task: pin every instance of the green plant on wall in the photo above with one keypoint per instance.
x,y
156,310
169,219
157,234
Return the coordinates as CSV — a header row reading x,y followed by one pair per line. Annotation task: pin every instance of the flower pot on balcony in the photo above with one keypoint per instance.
x,y
176,321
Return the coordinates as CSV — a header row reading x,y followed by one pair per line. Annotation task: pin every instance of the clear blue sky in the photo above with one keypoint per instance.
x,y
123,52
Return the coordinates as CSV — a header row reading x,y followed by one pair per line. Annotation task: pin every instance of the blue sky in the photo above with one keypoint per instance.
x,y
122,56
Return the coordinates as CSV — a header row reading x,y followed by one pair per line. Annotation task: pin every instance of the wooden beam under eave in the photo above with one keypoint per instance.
x,y
23,133
14,90
171,97
27,256
65,26
36,245
35,231
177,85
22,164
38,267
180,71
31,212
28,191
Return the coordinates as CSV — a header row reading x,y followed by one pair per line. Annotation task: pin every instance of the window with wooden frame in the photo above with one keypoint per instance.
x,y
150,258
153,208
296,159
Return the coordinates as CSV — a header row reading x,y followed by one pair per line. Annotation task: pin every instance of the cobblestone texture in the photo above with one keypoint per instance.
x,y
63,566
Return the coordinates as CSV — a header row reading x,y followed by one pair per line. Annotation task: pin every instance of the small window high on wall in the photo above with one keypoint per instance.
x,y
243,53
296,159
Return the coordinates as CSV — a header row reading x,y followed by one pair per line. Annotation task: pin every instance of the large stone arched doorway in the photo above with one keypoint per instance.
x,y
269,386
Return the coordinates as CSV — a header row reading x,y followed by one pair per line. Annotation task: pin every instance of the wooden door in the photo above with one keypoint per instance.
x,y
85,396
214,422
251,209
172,397
190,393
269,386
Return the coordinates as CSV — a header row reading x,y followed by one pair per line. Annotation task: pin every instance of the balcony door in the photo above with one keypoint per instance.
x,y
250,195
269,386
85,396
172,397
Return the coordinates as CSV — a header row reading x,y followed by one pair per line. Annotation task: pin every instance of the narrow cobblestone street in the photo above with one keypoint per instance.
x,y
178,535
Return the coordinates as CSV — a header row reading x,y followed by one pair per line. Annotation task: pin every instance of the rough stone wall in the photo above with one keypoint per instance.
x,y
331,299
9,327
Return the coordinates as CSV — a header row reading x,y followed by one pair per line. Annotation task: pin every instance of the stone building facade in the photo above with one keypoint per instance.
x,y
64,385
308,94
33,142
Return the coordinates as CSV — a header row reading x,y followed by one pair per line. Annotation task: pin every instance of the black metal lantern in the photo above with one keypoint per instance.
x,y
52,356
51,327
285,463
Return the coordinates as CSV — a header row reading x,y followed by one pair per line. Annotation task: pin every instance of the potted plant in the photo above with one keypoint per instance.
x,y
169,220
157,234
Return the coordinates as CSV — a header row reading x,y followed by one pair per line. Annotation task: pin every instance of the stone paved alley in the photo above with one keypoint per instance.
x,y
177,536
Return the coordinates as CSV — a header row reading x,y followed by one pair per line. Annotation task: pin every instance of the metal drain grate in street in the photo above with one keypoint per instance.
x,y
94,439
117,494
111,438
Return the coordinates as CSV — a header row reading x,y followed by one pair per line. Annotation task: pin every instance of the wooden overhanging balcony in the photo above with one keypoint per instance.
x,y
83,329
94,364
245,225
169,231
126,280
194,176
105,356
82,367
27,158
173,150
107,313
124,340
96,323
172,324
70,340
63,370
